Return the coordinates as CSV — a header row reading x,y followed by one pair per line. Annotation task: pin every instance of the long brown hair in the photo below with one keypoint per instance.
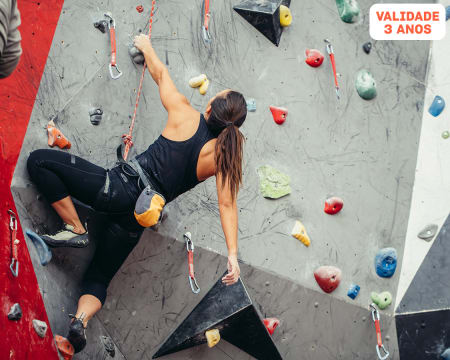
x,y
228,113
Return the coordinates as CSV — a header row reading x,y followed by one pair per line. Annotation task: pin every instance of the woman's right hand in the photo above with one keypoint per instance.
x,y
142,42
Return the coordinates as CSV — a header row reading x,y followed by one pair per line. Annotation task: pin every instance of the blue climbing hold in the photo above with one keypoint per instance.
x,y
386,262
447,13
251,105
437,106
45,255
446,354
353,291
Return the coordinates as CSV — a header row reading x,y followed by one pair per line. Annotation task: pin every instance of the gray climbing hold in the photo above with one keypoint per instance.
x,y
365,85
15,313
428,232
45,255
109,345
348,10
96,115
273,184
40,327
136,55
251,105
367,47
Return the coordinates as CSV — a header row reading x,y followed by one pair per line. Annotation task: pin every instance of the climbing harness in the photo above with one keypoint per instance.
x,y
112,34
330,52
190,249
205,27
379,346
14,242
128,138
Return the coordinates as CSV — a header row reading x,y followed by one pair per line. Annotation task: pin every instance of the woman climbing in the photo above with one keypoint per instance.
x,y
191,148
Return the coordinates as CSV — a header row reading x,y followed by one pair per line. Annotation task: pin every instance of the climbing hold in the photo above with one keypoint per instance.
x,y
437,106
45,255
447,13
348,10
273,184
197,80
55,137
446,354
446,134
109,345
64,347
328,278
316,304
285,16
428,232
353,291
40,327
383,299
271,324
251,105
15,313
365,85
386,262
299,232
279,114
333,205
139,8
96,115
367,47
102,25
204,87
314,57
212,337
136,55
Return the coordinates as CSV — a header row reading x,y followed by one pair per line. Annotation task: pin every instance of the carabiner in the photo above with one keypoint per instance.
x,y
12,220
194,286
119,73
375,312
205,27
13,228
330,52
386,353
16,271
191,276
112,35
189,243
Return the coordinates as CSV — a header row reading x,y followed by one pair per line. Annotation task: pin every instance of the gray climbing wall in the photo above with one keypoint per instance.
x,y
362,151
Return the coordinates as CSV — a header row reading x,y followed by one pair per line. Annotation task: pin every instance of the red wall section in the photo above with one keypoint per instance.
x,y
17,94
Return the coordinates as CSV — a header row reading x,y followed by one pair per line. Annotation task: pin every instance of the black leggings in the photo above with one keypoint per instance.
x,y
58,174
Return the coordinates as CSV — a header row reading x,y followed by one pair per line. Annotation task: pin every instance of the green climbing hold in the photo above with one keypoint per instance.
x,y
348,10
273,184
446,134
383,299
366,85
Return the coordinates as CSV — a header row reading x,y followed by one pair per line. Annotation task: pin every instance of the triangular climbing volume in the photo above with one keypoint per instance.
x,y
264,15
230,310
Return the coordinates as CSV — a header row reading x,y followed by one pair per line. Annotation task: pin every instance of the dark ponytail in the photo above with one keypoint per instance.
x,y
228,113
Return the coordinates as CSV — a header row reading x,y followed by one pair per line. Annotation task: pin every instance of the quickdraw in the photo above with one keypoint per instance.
x,y
205,27
112,35
128,138
14,242
190,249
330,52
380,347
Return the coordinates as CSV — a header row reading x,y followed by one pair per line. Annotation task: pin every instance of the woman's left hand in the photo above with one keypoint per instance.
x,y
233,271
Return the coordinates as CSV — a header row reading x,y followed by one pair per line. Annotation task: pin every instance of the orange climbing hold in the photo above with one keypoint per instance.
x,y
271,324
64,347
279,114
139,8
333,205
314,57
328,278
56,137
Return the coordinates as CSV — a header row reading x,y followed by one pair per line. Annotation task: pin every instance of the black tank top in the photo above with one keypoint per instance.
x,y
172,165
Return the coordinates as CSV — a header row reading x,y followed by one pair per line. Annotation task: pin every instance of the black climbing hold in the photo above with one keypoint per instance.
x,y
136,55
102,25
367,47
109,345
15,313
229,309
96,116
264,15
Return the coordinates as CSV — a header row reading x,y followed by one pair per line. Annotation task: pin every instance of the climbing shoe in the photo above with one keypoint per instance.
x,y
77,334
67,238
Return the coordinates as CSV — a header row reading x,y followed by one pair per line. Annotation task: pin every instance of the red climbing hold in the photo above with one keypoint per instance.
x,y
64,347
328,278
139,8
314,57
333,205
279,114
271,324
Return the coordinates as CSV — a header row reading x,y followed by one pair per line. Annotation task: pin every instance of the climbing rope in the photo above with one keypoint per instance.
x,y
14,242
128,138
380,346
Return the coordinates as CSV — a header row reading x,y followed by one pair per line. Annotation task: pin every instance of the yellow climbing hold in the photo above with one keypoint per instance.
x,y
204,87
197,81
285,16
299,232
213,337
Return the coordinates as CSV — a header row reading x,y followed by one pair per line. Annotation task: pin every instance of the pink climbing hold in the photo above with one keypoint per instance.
x,y
314,57
333,205
279,114
328,278
271,324
139,8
